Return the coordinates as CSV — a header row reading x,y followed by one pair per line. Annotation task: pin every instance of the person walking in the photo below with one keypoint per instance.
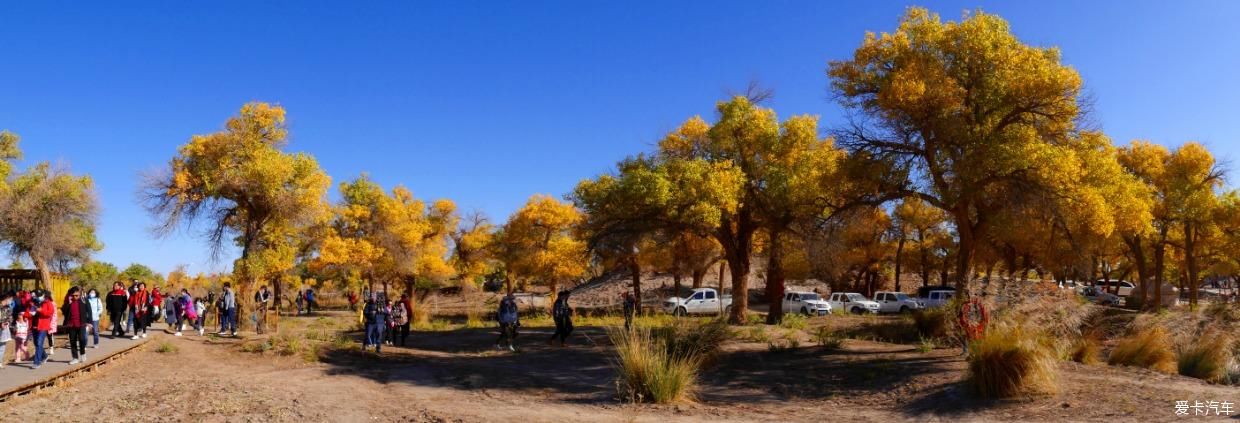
x,y
262,299
138,302
6,325
117,302
400,322
185,310
130,321
562,313
509,320
200,307
43,312
630,308
76,312
376,317
301,300
96,312
310,301
21,333
228,312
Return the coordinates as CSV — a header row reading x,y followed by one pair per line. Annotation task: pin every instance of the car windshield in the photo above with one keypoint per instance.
x,y
901,297
855,297
809,297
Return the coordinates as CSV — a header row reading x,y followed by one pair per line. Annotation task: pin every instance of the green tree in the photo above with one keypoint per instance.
x,y
248,191
96,274
142,273
975,117
46,213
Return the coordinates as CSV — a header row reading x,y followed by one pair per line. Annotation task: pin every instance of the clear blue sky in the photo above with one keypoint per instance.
x,y
487,103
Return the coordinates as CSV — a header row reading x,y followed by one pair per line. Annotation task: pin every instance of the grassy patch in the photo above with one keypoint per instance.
x,y
794,321
828,339
649,372
931,323
166,347
1149,348
926,345
1208,359
1010,362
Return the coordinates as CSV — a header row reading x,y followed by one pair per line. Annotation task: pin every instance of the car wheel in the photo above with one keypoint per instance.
x,y
679,312
857,310
904,310
804,311
727,311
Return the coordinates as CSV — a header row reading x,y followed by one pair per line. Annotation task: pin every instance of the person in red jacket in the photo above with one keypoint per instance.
x,y
157,302
138,302
44,312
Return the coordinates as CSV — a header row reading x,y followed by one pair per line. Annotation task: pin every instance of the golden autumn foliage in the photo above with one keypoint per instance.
x,y
540,244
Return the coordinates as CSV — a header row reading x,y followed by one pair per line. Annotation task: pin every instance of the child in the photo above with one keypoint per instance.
x,y
21,332
6,335
200,308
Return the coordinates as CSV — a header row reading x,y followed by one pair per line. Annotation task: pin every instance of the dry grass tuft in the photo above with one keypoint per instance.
x,y
1209,359
1149,348
648,372
1010,362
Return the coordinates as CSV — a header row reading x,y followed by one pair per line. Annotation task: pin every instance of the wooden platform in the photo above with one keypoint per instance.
x,y
23,379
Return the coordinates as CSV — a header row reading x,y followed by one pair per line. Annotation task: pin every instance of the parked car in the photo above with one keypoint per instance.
x,y
1096,295
896,302
852,302
807,303
699,301
938,298
1125,287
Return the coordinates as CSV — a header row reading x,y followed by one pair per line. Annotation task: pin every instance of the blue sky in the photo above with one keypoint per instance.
x,y
487,103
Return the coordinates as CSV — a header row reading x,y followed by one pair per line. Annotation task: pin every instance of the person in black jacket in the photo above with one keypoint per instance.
x,y
115,304
77,313
562,314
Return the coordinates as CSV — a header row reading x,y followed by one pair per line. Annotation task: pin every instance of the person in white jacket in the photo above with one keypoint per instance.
x,y
96,310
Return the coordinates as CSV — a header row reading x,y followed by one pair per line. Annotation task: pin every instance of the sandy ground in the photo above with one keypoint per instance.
x,y
456,376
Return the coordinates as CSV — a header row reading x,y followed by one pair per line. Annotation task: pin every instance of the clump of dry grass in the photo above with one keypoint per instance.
x,y
1086,350
1010,362
1209,359
932,323
649,372
1149,348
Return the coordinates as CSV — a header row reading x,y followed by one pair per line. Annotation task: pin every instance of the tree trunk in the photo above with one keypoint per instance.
x,y
775,279
899,254
676,282
45,273
1190,261
925,266
1138,261
699,275
1160,250
636,269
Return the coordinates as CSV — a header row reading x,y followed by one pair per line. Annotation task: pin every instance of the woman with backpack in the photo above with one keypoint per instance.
x,y
562,313
376,317
509,321
400,322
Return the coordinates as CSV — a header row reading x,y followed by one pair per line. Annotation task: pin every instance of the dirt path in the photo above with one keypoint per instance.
x,y
454,376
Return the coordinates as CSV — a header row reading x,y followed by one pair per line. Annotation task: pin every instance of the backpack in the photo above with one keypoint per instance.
x,y
370,312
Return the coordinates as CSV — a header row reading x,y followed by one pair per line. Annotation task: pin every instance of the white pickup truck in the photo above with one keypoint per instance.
x,y
852,302
896,302
807,303
699,301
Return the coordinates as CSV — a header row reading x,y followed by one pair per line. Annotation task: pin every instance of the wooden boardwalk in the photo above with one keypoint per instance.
x,y
22,378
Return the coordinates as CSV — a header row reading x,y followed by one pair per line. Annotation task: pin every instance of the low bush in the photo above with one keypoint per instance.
x,y
474,320
755,319
932,323
1086,350
165,347
794,321
1009,362
828,339
689,339
756,334
1209,359
1149,348
649,372
926,345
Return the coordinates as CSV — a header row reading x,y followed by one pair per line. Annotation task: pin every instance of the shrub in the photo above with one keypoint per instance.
x,y
754,319
757,334
932,323
256,347
794,321
925,345
1150,348
420,315
648,372
827,338
474,320
1086,350
166,347
1008,362
686,339
1209,359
